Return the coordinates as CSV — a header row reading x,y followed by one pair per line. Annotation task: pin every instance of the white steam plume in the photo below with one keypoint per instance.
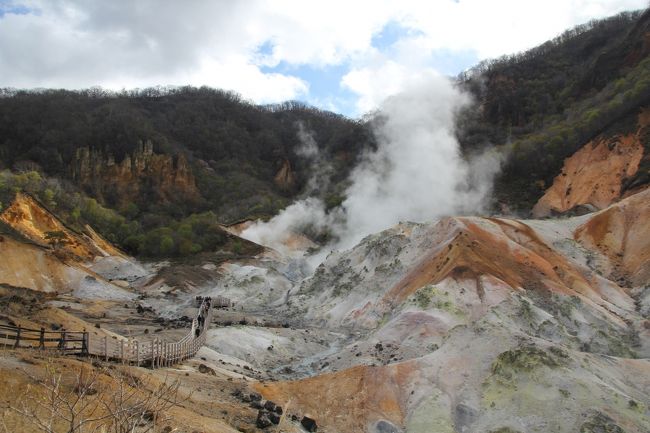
x,y
417,172
321,170
282,232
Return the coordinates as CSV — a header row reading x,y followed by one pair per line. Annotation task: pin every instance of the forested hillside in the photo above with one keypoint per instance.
x,y
544,104
151,168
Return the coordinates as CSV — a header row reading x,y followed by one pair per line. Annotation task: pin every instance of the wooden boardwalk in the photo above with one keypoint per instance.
x,y
155,353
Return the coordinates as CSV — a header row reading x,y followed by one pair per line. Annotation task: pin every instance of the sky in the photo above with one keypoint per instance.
x,y
344,56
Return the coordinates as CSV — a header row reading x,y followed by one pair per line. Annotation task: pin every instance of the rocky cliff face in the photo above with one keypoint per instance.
x,y
75,262
284,178
143,174
594,177
27,217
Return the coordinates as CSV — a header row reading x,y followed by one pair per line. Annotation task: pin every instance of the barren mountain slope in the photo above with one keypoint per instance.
x,y
478,324
595,176
74,262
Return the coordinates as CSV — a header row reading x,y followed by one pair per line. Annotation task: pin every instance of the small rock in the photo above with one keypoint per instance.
x,y
308,423
206,370
263,420
274,417
269,405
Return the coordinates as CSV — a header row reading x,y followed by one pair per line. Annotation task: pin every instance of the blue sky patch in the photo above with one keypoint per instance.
x,y
391,33
325,88
9,7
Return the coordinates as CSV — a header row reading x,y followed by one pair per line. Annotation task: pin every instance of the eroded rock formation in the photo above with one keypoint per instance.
x,y
141,175
285,179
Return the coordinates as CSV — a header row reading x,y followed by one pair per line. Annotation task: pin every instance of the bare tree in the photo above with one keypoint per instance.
x,y
138,405
95,401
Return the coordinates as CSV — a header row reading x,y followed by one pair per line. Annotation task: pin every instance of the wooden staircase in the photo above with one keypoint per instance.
x,y
155,353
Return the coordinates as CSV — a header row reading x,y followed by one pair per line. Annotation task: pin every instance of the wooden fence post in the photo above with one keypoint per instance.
x,y
17,342
63,341
105,348
122,351
84,343
137,353
41,339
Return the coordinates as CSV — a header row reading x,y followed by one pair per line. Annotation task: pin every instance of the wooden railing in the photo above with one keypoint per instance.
x,y
154,353
15,337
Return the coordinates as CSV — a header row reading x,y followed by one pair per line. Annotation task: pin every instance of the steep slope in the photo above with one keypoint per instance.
x,y
476,324
34,267
597,174
583,88
619,238
69,262
32,220
490,257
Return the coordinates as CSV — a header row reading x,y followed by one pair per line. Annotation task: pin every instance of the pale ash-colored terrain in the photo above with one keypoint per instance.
x,y
466,324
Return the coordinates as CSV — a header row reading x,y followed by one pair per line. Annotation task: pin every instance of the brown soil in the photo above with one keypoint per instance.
x,y
594,175
621,233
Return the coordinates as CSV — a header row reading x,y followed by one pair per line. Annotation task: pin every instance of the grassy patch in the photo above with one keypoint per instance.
x,y
527,359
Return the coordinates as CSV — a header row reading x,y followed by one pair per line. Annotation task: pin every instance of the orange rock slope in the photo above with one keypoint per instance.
x,y
29,261
30,219
351,399
502,253
34,267
620,235
594,175
485,256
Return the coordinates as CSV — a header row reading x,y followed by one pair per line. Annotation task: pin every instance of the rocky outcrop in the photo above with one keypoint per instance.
x,y
619,238
140,175
27,217
36,268
40,253
285,179
594,177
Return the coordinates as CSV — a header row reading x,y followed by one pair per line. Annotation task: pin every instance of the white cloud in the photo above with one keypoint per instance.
x,y
490,29
376,82
120,43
